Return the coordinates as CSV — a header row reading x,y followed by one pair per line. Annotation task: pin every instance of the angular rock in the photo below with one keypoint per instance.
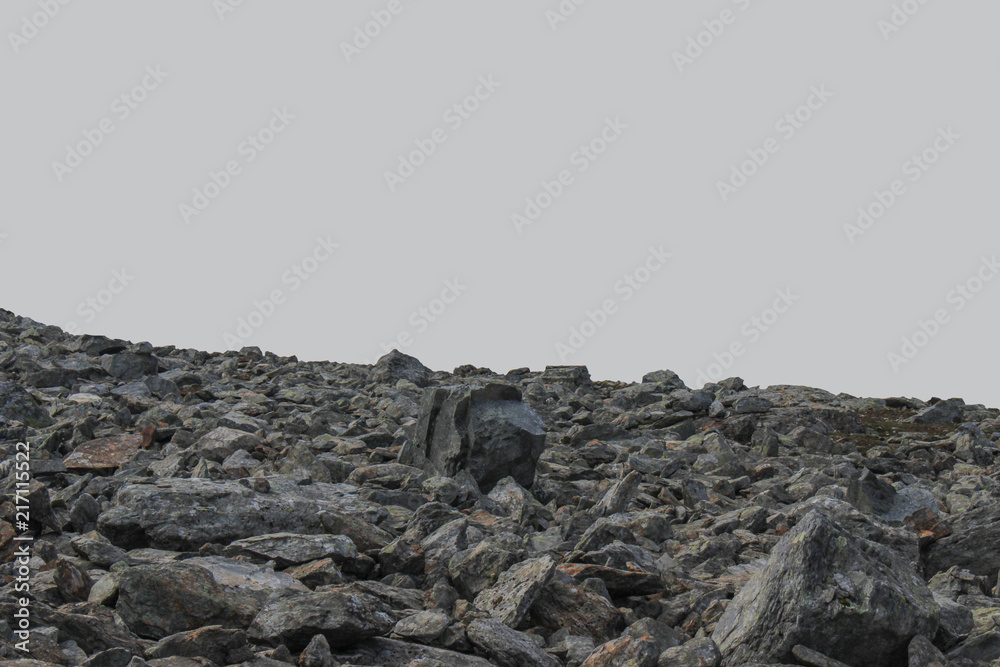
x,y
17,405
156,601
511,598
395,366
222,442
851,599
423,627
104,454
506,647
487,431
972,544
288,549
127,366
343,618
223,646
564,604
701,652
625,651
188,513
382,652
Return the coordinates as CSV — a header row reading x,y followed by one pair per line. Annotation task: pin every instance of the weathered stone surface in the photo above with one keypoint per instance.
x,y
104,454
487,431
564,604
223,442
160,600
625,652
343,618
848,598
972,544
187,513
396,366
294,549
511,598
479,567
17,405
382,652
223,646
506,647
423,627
701,652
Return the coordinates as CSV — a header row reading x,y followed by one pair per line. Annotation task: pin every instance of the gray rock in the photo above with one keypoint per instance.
x,y
701,652
382,652
626,651
564,604
506,647
222,442
972,544
223,646
511,598
188,513
396,366
317,654
156,601
294,549
823,587
923,653
17,405
343,618
127,366
487,431
942,412
423,627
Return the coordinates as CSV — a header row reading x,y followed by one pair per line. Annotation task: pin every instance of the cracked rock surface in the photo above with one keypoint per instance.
x,y
195,508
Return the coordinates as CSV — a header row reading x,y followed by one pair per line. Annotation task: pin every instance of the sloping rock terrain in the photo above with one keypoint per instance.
x,y
192,508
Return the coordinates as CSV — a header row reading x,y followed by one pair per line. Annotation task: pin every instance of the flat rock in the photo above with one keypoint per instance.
x,y
506,647
184,514
343,618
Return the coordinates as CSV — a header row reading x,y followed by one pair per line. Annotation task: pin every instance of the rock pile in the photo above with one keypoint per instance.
x,y
190,508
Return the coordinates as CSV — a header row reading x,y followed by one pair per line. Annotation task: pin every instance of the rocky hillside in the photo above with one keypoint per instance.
x,y
189,508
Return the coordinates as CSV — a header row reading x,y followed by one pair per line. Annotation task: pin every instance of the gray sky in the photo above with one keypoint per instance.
x,y
789,192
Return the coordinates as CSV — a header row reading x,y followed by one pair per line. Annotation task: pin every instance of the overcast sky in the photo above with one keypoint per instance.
x,y
790,192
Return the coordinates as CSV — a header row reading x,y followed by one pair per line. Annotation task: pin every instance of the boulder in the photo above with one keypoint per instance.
x,y
823,587
487,431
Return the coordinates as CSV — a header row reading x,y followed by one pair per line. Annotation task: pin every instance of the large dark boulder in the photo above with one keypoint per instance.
x,y
487,431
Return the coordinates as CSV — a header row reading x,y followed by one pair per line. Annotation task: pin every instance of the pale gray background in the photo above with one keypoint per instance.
x,y
656,186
